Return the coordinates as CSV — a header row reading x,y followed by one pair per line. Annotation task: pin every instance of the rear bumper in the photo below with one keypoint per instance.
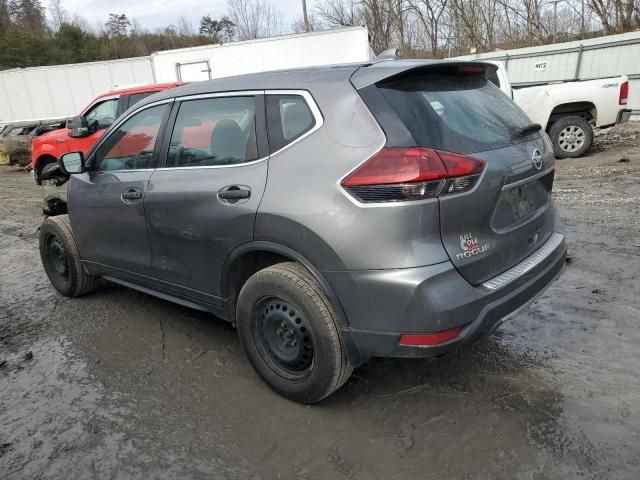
x,y
624,115
381,305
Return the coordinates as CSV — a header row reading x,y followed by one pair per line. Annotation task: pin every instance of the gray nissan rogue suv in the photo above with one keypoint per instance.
x,y
394,209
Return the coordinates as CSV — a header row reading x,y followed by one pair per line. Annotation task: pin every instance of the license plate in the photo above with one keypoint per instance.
x,y
521,203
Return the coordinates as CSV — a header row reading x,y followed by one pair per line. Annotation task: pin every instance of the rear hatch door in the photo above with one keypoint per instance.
x,y
508,213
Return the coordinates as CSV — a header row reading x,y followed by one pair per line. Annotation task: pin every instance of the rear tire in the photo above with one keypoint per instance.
x,y
572,137
60,258
290,333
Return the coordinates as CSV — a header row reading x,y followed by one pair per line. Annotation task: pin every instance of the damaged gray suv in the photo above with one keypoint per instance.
x,y
333,214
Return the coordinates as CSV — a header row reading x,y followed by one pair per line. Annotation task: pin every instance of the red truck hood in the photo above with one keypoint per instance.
x,y
52,136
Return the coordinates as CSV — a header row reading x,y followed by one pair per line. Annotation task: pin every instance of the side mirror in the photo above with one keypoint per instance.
x,y
79,127
71,163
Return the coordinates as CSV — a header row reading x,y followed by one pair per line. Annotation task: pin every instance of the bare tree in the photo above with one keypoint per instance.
x,y
255,19
340,13
430,15
58,16
616,15
298,25
184,27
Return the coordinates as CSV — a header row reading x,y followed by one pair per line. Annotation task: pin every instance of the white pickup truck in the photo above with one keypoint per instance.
x,y
570,111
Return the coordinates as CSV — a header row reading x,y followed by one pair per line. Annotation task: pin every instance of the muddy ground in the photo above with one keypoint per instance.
x,y
119,384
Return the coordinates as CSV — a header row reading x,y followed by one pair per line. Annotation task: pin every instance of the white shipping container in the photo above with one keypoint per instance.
x,y
343,45
63,90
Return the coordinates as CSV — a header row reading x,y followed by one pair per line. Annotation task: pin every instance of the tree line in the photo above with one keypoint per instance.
x,y
439,28
32,34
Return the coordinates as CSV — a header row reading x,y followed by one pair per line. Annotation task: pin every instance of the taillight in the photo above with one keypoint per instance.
x,y
413,173
624,93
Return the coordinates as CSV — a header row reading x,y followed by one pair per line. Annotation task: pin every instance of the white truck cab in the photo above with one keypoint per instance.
x,y
570,111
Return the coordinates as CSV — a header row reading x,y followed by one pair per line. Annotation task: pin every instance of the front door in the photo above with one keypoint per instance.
x,y
202,203
107,202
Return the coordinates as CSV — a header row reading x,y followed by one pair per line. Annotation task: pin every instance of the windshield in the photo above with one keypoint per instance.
x,y
464,114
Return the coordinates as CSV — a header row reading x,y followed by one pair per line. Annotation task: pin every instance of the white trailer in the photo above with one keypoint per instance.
x,y
327,47
63,90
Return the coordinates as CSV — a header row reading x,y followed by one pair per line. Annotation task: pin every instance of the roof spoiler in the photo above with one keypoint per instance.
x,y
388,70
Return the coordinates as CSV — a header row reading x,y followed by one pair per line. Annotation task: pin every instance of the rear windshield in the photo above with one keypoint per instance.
x,y
464,114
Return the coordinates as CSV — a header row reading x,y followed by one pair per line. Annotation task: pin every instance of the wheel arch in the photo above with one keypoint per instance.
x,y
580,108
42,160
251,257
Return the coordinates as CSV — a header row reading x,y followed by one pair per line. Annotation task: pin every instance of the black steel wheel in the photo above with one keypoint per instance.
x,y
284,337
290,333
57,257
61,260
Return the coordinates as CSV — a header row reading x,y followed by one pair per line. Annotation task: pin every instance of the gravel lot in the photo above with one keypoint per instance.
x,y
119,384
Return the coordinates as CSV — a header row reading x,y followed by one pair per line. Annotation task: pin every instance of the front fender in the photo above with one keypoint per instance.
x,y
45,149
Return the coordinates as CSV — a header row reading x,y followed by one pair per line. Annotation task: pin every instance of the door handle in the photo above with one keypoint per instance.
x,y
234,193
131,194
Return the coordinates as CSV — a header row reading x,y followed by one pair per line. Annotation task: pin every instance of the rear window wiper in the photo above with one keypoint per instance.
x,y
527,129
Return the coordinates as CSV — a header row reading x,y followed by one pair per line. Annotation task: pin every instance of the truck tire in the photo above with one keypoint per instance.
x,y
290,333
571,137
60,258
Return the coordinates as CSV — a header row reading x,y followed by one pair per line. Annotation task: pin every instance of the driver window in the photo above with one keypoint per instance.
x,y
213,132
131,145
103,114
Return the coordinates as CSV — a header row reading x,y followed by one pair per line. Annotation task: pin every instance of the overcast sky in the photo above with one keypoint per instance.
x,y
159,13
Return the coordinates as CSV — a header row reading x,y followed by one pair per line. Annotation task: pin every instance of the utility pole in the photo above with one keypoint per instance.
x,y
304,14
582,20
555,18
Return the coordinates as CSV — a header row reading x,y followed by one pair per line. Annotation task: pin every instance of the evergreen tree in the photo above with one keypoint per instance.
x,y
28,16
217,31
118,25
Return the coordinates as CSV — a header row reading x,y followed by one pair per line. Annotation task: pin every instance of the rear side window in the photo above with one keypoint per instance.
x,y
136,97
288,118
213,132
463,113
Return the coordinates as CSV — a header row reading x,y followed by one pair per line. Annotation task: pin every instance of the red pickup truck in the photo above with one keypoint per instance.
x,y
96,118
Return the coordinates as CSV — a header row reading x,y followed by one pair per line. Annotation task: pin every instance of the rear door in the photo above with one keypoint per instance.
x,y
202,203
508,214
